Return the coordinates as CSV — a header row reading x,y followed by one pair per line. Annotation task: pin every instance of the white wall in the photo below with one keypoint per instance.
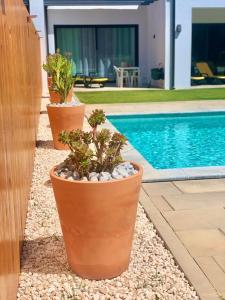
x,y
37,8
103,17
168,43
156,38
183,44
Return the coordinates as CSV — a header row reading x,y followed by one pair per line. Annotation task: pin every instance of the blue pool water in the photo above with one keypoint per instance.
x,y
170,141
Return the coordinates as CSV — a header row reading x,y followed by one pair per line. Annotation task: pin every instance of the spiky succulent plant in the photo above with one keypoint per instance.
x,y
94,151
60,68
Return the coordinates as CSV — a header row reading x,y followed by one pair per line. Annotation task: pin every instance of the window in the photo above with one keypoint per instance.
x,y
96,49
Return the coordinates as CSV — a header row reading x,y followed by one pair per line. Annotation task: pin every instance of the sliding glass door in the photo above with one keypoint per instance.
x,y
96,49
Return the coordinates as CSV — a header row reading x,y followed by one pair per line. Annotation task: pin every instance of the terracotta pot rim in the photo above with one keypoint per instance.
x,y
138,167
72,106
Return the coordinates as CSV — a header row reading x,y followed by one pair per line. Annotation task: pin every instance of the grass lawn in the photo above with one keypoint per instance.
x,y
151,96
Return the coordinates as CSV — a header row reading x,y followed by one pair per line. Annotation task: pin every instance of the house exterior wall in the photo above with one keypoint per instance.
x,y
156,39
183,41
104,17
37,8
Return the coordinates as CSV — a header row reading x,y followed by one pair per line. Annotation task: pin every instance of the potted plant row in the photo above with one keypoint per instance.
x,y
64,112
96,194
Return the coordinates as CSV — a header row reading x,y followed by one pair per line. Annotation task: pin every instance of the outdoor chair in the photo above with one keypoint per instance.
x,y
196,77
91,79
206,71
134,78
119,79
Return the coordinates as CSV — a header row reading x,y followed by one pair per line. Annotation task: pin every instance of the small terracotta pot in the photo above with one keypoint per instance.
x,y
55,97
65,118
97,220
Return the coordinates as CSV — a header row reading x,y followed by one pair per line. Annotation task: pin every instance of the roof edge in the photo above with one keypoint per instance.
x,y
93,2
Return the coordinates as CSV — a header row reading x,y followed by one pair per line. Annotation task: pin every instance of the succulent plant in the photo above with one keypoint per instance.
x,y
60,68
94,151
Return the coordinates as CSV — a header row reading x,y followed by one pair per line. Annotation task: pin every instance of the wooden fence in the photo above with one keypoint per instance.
x,y
20,93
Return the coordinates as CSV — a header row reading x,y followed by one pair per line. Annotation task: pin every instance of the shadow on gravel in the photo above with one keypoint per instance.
x,y
48,183
45,144
45,255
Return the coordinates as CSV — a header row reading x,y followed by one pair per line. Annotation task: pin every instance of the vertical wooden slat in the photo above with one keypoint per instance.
x,y
20,93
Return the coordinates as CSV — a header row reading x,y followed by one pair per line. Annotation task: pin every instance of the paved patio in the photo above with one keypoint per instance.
x,y
190,217
160,107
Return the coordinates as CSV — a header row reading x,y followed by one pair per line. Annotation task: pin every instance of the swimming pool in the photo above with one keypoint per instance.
x,y
181,140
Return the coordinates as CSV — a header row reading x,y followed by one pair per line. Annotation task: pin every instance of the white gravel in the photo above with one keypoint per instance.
x,y
74,102
122,170
45,274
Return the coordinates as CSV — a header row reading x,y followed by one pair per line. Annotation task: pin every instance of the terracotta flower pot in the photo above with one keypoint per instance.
x,y
97,220
65,118
55,97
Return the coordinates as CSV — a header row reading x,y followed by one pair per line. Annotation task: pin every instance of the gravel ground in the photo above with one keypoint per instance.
x,y
45,274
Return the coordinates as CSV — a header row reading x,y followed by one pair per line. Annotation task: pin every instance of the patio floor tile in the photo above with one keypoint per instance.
x,y
161,203
201,186
203,243
220,259
213,272
161,188
209,218
196,201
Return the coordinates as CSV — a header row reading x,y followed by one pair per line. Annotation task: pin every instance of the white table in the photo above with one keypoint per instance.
x,y
129,69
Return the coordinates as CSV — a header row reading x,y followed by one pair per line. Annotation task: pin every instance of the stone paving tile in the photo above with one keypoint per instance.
x,y
195,201
161,203
180,252
161,188
208,218
202,243
220,259
222,296
201,186
213,272
222,228
195,213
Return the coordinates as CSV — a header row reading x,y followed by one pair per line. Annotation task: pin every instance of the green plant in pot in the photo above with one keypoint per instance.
x,y
62,80
60,69
96,193
64,114
51,66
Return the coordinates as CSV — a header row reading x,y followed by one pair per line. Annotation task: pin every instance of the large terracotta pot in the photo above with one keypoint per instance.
x,y
55,97
65,118
97,220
